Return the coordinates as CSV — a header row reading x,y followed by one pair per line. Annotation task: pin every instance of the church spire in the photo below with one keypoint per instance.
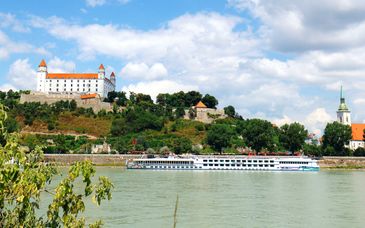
x,y
343,106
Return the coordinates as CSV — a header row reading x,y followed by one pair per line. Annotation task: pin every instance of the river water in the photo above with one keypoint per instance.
x,y
146,198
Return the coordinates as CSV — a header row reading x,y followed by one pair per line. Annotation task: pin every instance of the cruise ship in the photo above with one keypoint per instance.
x,y
259,163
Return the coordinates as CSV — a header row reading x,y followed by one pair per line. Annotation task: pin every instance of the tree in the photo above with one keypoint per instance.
x,y
179,112
230,111
258,134
192,98
181,145
24,177
312,150
292,136
336,135
359,152
118,127
210,101
219,136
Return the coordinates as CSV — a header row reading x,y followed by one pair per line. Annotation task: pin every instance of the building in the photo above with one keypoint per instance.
x,y
344,117
74,83
200,112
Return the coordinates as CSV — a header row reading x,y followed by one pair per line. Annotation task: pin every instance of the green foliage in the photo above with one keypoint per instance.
x,y
258,134
359,152
179,112
181,145
292,136
219,136
230,111
210,101
24,177
312,150
336,136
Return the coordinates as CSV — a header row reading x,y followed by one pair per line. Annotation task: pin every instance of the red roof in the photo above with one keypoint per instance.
x,y
101,67
357,131
200,105
112,74
43,63
88,96
72,76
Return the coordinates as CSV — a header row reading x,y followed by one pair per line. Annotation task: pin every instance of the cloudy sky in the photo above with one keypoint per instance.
x,y
282,60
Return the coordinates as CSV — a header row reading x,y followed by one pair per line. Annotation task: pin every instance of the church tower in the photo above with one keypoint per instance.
x,y
343,113
101,74
41,76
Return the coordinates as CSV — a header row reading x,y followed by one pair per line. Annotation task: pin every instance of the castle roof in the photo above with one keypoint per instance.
x,y
112,74
101,67
72,76
200,105
357,131
43,63
88,96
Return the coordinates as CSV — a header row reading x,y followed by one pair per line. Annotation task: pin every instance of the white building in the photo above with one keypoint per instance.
x,y
74,83
344,117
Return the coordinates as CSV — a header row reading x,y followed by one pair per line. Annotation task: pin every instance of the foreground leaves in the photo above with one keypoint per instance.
x,y
24,177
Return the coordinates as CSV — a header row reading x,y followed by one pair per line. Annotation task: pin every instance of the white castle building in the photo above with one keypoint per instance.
x,y
344,117
74,83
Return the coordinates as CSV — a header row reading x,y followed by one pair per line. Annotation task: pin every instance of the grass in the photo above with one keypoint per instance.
x,y
81,124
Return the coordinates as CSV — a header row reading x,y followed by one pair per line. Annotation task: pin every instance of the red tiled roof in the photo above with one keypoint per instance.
x,y
200,105
72,76
88,96
43,63
101,67
357,131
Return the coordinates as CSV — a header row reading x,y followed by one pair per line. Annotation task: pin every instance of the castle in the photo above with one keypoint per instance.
x,y
74,83
344,117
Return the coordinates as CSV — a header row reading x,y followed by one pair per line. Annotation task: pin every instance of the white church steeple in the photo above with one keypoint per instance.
x,y
343,113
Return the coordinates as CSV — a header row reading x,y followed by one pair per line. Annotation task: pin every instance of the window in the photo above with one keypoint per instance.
x,y
210,160
215,164
204,164
205,160
227,160
221,164
210,164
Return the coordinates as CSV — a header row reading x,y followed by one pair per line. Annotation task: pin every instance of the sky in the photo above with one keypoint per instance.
x,y
280,60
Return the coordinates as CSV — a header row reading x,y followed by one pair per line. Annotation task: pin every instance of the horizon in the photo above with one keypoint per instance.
x,y
283,61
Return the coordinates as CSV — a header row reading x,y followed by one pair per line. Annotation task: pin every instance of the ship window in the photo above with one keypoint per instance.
x,y
227,164
215,164
271,165
238,160
205,160
266,165
204,164
255,165
249,165
254,161
227,160
233,165
244,165
260,160
232,160
215,160
248,160
210,160
238,164
271,161
210,164
221,164
260,165
221,160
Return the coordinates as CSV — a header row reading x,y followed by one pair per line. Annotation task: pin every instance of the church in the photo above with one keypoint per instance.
x,y
74,83
344,117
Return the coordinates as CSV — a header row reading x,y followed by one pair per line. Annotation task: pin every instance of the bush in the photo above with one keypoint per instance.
x,y
359,152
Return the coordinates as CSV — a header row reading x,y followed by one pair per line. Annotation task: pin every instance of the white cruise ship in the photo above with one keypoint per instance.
x,y
263,163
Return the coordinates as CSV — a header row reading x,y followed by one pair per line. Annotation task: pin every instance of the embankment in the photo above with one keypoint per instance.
x,y
342,162
97,159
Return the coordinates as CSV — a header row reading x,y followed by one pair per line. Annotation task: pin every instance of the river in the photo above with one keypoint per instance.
x,y
146,198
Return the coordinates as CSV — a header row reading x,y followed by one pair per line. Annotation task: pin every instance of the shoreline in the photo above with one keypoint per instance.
x,y
119,160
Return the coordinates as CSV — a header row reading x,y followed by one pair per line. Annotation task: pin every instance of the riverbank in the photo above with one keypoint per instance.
x,y
120,160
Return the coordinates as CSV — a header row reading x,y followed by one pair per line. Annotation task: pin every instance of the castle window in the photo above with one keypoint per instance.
x,y
57,85
96,89
71,80
57,89
57,80
71,85
78,85
83,85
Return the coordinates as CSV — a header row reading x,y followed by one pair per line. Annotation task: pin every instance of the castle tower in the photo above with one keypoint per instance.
x,y
112,78
343,113
41,76
101,73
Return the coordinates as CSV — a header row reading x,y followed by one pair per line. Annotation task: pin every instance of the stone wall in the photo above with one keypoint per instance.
x,y
97,159
96,103
206,115
342,162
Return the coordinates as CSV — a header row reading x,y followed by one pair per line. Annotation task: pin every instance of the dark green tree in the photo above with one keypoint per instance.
x,y
210,101
336,135
292,136
181,145
179,112
230,111
219,136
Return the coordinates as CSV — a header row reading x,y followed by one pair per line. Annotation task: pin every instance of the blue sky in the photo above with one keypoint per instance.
x,y
282,60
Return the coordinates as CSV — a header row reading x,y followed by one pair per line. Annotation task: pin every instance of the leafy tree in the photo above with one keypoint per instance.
x,y
336,135
219,136
210,101
181,145
118,127
258,134
179,112
292,136
192,98
359,152
24,177
312,150
230,111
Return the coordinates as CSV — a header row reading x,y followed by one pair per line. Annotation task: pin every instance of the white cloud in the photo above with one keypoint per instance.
x,y
284,120
153,88
94,3
317,120
21,75
58,65
143,71
9,20
6,87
